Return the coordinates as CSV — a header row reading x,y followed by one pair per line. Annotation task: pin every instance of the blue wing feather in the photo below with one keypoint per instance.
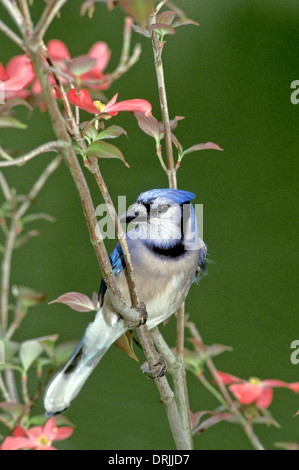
x,y
117,261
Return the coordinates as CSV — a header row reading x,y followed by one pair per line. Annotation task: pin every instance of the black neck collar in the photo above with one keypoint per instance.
x,y
171,252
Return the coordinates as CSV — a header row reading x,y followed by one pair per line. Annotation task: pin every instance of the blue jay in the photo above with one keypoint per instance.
x,y
167,255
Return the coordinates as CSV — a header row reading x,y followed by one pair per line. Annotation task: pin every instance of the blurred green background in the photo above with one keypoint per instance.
x,y
231,79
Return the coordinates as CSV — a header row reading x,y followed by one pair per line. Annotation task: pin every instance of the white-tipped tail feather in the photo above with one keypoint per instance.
x,y
67,384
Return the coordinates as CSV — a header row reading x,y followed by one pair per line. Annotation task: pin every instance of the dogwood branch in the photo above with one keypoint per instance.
x,y
14,12
45,148
12,35
163,99
51,10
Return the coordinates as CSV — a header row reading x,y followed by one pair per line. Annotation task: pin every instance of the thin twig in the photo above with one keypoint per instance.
x,y
14,12
163,100
12,35
230,404
45,148
38,185
27,22
50,11
5,188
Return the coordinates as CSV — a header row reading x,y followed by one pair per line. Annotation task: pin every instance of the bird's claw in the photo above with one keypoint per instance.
x,y
158,370
142,317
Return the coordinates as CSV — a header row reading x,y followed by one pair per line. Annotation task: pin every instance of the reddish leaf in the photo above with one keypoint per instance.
x,y
196,417
214,419
124,343
166,17
206,146
77,301
148,124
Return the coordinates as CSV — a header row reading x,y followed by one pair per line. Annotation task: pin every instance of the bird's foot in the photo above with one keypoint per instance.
x,y
158,370
143,314
142,317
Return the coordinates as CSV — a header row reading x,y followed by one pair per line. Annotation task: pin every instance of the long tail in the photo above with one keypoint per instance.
x,y
67,384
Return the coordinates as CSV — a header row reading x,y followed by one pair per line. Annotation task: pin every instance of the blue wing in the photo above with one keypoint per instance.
x,y
117,261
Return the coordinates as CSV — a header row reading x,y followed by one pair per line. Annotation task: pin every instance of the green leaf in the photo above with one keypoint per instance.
x,y
162,29
10,349
29,352
80,65
140,10
9,121
63,352
101,149
14,102
111,132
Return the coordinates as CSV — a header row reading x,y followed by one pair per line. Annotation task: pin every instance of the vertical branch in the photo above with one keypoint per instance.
x,y
179,375
163,102
6,268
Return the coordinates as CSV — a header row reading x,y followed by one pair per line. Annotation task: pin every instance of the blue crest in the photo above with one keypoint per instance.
x,y
176,195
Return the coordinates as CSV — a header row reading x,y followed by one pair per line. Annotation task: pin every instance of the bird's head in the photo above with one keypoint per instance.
x,y
164,216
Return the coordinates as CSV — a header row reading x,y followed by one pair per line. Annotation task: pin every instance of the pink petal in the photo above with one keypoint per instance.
x,y
265,398
20,73
19,432
274,383
58,50
3,74
54,433
129,105
227,378
101,52
82,99
16,443
294,386
246,393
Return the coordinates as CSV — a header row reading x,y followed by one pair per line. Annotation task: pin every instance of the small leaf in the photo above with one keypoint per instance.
x,y
80,65
214,419
63,352
101,149
149,125
143,32
29,352
14,102
10,349
196,417
138,9
9,121
12,408
77,301
124,343
162,29
206,146
184,22
27,296
166,17
111,132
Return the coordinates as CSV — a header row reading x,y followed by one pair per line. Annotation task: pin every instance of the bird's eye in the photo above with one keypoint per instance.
x,y
163,207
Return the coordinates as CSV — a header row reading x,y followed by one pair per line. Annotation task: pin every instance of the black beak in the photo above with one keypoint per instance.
x,y
133,214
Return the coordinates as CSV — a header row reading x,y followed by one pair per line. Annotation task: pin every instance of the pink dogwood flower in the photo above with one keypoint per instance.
x,y
37,437
83,100
254,390
61,57
17,75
